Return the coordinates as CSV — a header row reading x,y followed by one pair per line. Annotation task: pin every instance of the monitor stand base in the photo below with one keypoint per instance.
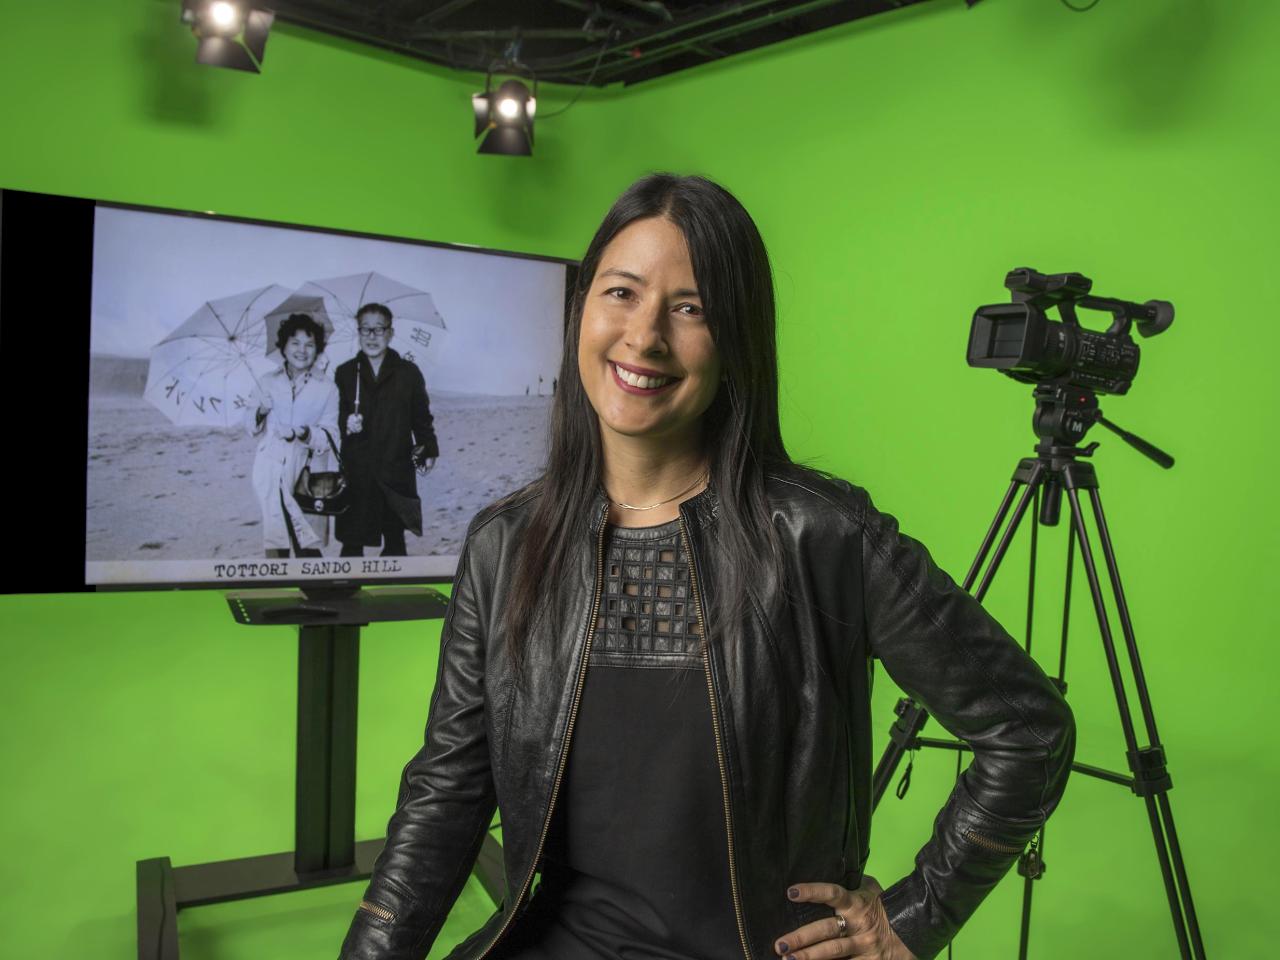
x,y
325,849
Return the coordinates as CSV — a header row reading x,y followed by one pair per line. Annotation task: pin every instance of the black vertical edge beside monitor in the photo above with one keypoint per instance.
x,y
136,344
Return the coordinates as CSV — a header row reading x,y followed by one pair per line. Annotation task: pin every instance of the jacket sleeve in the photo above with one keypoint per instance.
x,y
446,799
346,402
324,424
424,434
254,425
941,647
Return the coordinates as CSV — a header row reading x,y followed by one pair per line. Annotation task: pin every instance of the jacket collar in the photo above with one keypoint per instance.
x,y
701,509
390,361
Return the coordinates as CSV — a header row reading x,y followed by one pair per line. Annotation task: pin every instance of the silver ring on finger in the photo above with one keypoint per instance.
x,y
843,925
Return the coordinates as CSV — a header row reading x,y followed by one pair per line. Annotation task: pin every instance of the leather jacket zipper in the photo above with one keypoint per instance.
x,y
379,911
715,726
975,837
568,733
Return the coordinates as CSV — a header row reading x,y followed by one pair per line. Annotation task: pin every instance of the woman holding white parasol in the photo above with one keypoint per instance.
x,y
296,418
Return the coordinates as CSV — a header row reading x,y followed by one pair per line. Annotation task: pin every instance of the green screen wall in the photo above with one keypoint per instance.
x,y
897,169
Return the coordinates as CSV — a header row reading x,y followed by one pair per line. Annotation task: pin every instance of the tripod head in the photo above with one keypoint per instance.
x,y
1063,416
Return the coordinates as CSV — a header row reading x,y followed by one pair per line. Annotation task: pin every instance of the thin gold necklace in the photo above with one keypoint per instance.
x,y
705,476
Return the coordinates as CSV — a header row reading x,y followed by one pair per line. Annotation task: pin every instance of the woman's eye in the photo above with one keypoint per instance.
x,y
623,292
693,311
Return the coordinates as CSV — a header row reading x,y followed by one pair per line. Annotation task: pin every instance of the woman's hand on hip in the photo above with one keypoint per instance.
x,y
864,934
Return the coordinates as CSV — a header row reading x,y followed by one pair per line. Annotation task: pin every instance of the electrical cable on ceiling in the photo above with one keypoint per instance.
x,y
1068,5
600,56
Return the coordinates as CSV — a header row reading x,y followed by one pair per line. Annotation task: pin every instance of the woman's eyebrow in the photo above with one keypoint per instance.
x,y
627,274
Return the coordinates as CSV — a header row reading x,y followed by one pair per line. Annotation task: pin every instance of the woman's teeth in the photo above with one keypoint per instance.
x,y
646,383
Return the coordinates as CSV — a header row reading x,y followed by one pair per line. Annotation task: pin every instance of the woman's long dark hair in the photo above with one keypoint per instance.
x,y
740,428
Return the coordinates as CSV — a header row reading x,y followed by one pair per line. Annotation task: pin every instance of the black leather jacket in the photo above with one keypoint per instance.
x,y
792,726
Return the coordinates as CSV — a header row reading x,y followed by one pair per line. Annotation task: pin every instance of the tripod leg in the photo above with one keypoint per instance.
x,y
1032,480
1024,933
1084,477
984,548
1066,607
912,716
1031,868
1122,607
1180,868
1028,864
1031,864
1162,853
1165,812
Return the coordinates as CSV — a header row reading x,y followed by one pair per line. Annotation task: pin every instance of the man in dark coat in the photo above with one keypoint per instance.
x,y
385,420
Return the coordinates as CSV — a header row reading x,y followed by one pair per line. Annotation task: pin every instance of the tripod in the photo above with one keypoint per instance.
x,y
1063,415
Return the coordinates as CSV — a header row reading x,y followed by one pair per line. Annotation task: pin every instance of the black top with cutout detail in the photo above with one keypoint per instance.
x,y
636,860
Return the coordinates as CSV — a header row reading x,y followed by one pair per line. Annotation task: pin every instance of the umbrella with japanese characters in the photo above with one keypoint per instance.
x,y
207,371
417,323
313,307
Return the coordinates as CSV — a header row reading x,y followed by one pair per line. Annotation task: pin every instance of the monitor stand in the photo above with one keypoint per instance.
x,y
325,851
335,604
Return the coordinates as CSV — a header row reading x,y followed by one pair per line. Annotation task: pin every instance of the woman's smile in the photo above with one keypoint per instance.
x,y
638,384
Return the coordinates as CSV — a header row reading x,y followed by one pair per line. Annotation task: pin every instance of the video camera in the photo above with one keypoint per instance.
x,y
1021,341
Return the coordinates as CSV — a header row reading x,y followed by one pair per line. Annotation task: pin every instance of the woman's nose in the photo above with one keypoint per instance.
x,y
646,331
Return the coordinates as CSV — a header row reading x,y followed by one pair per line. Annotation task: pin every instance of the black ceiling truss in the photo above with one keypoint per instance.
x,y
592,42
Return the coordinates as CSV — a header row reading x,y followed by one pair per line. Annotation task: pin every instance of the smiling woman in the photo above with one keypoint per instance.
x,y
675,283
294,420
648,363
657,658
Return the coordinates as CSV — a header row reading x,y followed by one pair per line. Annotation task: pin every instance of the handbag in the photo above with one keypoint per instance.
x,y
324,492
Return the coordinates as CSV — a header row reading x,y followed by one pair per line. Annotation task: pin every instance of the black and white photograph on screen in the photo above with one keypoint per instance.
x,y
271,403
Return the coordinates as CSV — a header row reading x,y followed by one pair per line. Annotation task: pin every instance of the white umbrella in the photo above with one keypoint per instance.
x,y
418,324
312,306
206,372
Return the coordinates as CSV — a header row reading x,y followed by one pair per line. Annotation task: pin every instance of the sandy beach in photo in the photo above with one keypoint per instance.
x,y
162,492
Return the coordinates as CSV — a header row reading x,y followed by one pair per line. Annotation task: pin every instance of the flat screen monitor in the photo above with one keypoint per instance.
x,y
160,428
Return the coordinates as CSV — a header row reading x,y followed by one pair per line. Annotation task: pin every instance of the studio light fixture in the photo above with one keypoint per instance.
x,y
505,117
231,33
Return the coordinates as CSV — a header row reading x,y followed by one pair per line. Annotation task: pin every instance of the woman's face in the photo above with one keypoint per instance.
x,y
643,316
300,350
